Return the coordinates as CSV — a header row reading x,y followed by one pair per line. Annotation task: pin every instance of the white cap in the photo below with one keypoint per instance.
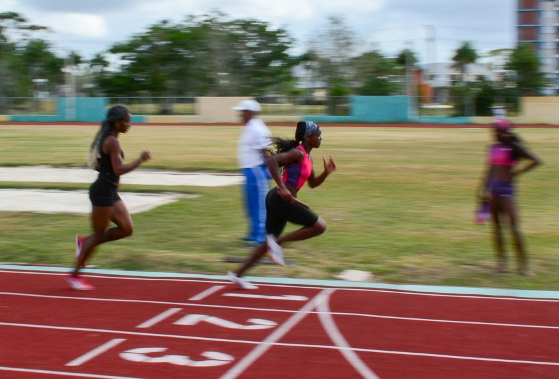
x,y
248,105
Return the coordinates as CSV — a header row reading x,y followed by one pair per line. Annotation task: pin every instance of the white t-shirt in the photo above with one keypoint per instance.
x,y
255,137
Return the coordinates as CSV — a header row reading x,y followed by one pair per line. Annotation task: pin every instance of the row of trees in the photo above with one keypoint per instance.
x,y
212,55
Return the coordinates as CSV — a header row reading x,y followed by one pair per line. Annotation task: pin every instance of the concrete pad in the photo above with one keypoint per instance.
x,y
355,276
55,201
48,174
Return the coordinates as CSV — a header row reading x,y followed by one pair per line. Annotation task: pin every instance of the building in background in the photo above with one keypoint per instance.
x,y
538,25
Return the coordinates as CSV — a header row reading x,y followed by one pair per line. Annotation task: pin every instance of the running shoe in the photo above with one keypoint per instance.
x,y
244,284
79,246
77,283
274,250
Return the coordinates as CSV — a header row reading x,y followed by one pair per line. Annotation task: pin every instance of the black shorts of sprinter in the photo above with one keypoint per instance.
x,y
103,193
279,211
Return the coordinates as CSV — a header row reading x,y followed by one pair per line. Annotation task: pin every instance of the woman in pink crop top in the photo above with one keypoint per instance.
x,y
281,202
498,188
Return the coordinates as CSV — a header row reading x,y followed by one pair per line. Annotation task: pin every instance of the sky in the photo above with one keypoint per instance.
x,y
432,29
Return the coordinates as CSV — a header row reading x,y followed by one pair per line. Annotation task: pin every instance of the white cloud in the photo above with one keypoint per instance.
x,y
84,25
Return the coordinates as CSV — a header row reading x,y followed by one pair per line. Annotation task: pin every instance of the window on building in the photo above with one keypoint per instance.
x,y
528,4
529,33
528,18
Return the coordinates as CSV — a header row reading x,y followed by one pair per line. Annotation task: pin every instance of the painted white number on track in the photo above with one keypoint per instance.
x,y
257,323
141,355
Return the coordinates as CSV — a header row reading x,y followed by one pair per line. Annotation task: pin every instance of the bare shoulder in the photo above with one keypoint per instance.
x,y
111,144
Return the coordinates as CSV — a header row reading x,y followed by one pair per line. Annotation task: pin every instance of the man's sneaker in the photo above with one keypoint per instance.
x,y
77,283
244,284
79,247
274,250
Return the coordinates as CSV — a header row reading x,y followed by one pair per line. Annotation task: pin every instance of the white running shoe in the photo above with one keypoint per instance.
x,y
77,283
244,284
274,250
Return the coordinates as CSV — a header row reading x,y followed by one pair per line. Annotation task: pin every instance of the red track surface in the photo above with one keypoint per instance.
x,y
132,327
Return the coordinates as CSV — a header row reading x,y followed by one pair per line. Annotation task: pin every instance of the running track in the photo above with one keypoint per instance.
x,y
148,325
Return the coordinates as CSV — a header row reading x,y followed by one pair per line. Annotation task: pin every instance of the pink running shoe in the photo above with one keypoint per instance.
x,y
79,246
78,283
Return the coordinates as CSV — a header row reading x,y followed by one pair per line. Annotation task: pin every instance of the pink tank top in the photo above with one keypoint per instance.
x,y
500,155
296,174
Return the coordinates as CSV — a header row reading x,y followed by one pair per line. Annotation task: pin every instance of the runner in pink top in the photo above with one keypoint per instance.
x,y
296,174
281,202
498,188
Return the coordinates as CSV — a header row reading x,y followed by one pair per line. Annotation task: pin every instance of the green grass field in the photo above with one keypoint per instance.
x,y
400,205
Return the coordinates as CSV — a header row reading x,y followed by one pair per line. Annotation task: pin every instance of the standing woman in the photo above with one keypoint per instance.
x,y
281,202
107,205
499,184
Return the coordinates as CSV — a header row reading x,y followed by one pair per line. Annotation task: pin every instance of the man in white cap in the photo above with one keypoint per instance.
x,y
252,153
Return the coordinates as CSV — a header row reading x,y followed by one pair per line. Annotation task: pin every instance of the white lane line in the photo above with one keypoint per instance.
x,y
63,373
96,352
268,297
160,317
206,293
481,323
427,291
334,333
126,301
459,322
125,332
272,339
285,344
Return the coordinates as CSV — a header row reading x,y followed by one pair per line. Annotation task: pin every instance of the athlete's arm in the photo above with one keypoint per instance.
x,y
282,159
315,181
111,146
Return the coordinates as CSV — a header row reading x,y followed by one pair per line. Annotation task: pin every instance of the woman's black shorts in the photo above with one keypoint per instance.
x,y
279,211
103,193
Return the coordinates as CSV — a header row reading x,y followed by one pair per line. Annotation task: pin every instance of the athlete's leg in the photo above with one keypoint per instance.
x,y
496,209
305,232
100,218
521,257
256,188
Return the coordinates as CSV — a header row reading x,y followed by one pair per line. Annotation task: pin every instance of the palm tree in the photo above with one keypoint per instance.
x,y
464,56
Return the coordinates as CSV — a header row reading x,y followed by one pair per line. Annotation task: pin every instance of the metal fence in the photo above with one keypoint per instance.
x,y
157,105
272,105
28,105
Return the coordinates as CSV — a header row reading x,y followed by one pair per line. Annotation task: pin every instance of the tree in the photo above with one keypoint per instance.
x,y
204,55
332,51
15,36
376,75
464,55
524,66
40,63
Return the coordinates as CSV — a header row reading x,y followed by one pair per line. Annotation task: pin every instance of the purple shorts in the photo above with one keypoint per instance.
x,y
500,188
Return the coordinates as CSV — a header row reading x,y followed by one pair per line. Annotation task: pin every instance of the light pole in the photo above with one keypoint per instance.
x,y
70,87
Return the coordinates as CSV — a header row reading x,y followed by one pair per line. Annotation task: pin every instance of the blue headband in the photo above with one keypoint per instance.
x,y
310,129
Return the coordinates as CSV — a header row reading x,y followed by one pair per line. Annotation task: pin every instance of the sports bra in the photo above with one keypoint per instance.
x,y
296,174
501,155
106,167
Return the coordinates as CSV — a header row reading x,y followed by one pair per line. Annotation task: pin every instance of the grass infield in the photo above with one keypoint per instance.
x,y
399,205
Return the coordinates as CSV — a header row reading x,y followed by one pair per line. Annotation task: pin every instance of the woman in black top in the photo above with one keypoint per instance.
x,y
103,193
